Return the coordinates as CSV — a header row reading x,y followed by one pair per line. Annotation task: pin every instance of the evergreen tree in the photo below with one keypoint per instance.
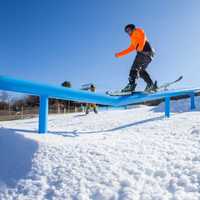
x,y
66,84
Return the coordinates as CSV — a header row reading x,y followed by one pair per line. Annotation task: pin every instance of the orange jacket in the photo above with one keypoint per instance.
x,y
138,39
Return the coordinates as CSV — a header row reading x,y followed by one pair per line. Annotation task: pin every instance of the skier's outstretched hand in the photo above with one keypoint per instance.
x,y
117,55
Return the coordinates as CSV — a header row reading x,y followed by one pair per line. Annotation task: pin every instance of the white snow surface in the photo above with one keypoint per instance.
x,y
133,154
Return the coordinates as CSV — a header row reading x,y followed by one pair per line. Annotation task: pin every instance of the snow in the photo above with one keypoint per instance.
x,y
134,154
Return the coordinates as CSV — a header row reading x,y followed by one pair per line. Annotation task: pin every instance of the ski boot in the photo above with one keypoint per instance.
x,y
151,87
129,88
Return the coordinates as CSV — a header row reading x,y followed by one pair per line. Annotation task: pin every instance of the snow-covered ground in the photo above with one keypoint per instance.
x,y
115,155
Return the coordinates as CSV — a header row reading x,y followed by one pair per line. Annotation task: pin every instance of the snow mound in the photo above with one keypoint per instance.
x,y
134,154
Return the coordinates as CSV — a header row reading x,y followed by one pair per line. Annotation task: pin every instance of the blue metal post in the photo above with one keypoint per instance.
x,y
167,106
43,114
192,101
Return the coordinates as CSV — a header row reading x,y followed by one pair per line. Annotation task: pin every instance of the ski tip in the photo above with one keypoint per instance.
x,y
181,77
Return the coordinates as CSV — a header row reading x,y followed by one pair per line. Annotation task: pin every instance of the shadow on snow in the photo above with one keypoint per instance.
x,y
16,154
77,133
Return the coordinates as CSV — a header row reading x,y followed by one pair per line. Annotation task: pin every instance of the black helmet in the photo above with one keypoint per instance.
x,y
129,27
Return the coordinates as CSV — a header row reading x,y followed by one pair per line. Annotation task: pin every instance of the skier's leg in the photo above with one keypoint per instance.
x,y
95,108
133,75
134,72
146,77
144,62
87,109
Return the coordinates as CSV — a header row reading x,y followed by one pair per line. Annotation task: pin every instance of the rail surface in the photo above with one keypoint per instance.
x,y
45,91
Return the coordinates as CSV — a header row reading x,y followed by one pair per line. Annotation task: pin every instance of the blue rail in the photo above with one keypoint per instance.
x,y
45,92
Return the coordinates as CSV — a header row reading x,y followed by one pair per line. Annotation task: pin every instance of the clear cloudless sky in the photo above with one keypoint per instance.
x,y
55,40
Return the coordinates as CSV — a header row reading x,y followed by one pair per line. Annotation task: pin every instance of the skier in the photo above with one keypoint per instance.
x,y
90,105
145,54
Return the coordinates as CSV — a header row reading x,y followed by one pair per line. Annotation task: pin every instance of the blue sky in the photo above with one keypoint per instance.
x,y
51,41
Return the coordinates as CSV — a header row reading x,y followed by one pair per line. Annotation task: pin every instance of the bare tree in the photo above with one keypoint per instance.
x,y
32,101
5,101
4,96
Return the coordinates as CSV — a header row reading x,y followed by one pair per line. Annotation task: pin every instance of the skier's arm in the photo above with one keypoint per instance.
x,y
126,51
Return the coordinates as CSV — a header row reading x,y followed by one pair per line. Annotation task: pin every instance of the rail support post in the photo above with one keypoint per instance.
x,y
192,101
43,114
167,106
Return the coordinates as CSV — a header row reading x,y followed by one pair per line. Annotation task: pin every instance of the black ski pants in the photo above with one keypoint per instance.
x,y
138,69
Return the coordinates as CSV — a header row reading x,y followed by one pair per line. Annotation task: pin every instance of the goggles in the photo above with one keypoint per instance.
x,y
129,30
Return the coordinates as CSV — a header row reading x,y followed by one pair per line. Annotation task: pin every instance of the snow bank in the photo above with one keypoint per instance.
x,y
131,154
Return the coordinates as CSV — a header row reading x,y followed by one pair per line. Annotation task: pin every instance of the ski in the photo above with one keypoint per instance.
x,y
119,93
163,87
168,84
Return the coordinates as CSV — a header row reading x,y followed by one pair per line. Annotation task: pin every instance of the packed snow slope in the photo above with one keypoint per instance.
x,y
133,154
